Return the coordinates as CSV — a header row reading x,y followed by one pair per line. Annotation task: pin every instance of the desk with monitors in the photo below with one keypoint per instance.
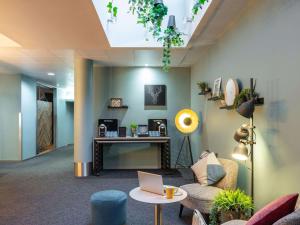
x,y
154,133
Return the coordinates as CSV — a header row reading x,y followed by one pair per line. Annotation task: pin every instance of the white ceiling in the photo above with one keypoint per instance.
x,y
51,32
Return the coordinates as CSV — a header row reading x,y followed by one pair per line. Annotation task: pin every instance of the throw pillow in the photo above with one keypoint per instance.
x,y
274,210
215,170
290,219
200,170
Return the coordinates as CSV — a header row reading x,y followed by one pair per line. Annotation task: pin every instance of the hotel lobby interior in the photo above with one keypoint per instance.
x,y
141,112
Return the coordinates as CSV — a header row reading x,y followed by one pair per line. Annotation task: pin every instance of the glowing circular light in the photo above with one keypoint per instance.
x,y
186,121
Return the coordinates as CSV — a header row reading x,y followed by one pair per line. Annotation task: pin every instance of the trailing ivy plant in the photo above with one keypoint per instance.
x,y
111,8
149,14
198,5
171,38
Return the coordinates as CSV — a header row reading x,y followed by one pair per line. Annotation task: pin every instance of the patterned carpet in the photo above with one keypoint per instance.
x,y
43,191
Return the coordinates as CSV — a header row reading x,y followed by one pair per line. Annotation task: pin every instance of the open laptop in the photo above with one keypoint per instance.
x,y
151,182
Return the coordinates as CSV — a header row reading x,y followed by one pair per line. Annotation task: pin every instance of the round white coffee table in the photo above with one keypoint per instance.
x,y
158,200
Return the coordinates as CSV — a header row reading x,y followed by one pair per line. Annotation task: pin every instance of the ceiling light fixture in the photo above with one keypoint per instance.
x,y
51,74
146,65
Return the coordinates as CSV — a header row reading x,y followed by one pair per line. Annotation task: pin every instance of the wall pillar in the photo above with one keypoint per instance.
x,y
83,114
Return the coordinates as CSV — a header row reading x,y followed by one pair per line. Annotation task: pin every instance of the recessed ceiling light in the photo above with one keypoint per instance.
x,y
146,65
51,74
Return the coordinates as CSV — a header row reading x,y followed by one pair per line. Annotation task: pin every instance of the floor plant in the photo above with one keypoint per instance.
x,y
229,205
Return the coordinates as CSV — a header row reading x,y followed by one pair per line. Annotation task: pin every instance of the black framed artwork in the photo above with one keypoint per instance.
x,y
155,95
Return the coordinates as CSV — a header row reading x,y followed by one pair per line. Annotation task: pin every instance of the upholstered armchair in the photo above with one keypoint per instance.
x,y
201,197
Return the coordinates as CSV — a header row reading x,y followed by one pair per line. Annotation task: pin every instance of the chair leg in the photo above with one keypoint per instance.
x,y
180,211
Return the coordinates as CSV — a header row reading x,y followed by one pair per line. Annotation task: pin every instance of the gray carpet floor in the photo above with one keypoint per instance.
x,y
44,191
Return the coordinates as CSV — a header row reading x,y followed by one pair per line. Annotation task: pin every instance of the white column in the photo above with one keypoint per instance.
x,y
83,117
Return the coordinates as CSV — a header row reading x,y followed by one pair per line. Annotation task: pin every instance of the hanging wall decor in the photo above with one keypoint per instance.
x,y
155,95
217,87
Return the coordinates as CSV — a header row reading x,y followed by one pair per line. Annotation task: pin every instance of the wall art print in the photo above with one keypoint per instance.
x,y
155,95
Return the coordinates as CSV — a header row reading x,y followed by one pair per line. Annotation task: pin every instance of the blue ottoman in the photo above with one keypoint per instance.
x,y
109,208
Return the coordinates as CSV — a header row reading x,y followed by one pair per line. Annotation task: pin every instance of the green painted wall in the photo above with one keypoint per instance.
x,y
128,83
10,107
64,120
264,44
29,111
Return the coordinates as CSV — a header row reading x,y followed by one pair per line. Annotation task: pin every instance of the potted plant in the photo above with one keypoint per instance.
x,y
229,205
133,128
111,8
198,5
203,86
245,95
171,38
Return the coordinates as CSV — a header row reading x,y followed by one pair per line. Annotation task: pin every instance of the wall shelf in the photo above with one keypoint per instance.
x,y
258,102
216,98
121,107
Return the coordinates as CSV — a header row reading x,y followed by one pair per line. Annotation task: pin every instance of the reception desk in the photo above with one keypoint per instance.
x,y
99,142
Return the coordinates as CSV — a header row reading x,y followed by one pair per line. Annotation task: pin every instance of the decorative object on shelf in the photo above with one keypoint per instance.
x,y
186,121
171,38
230,205
133,129
142,131
155,95
241,152
203,86
217,88
231,91
162,130
157,127
122,131
198,5
116,102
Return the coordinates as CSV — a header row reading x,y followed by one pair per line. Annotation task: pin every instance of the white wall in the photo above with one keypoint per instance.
x,y
263,44
128,83
29,108
10,107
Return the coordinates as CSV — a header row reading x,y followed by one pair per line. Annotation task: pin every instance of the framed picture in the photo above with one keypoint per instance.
x,y
155,95
217,87
116,102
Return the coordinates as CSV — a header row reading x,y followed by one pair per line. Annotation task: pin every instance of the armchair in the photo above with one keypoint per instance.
x,y
201,197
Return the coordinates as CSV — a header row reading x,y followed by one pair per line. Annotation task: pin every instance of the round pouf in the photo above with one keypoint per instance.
x,y
109,207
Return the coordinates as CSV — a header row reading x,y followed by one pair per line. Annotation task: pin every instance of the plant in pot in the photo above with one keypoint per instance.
x,y
111,8
229,205
171,38
133,128
245,95
198,5
150,13
203,86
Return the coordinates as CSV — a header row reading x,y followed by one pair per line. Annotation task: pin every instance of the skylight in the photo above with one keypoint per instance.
x,y
125,32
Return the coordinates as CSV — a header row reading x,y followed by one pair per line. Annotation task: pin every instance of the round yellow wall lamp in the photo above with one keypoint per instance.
x,y
186,121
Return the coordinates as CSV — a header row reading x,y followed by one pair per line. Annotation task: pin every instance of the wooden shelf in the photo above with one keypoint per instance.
x,y
121,107
204,93
258,102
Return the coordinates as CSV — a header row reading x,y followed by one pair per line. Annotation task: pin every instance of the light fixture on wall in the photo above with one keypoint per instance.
x,y
51,74
245,135
186,121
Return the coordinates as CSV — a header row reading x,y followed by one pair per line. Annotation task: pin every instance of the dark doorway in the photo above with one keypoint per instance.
x,y
45,119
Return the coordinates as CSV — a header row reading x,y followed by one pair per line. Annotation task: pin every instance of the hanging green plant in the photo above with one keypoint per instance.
x,y
198,5
172,38
149,14
111,8
156,16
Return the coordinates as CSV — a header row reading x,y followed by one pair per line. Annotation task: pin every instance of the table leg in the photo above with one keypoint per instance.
x,y
158,214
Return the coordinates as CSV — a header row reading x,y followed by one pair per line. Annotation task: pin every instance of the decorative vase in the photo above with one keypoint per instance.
x,y
226,216
133,132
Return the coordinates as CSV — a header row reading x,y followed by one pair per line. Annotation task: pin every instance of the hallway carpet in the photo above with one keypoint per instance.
x,y
44,191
